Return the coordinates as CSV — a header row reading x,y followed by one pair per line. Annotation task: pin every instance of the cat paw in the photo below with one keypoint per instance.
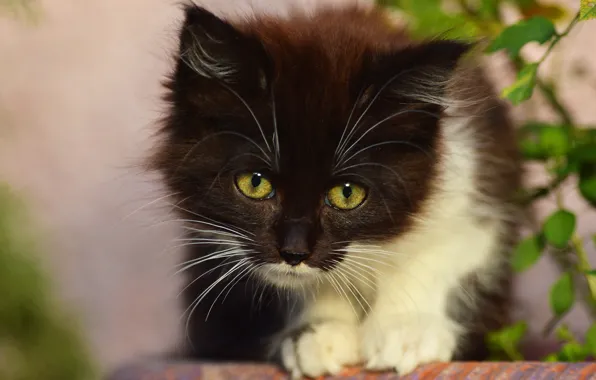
x,y
405,344
320,349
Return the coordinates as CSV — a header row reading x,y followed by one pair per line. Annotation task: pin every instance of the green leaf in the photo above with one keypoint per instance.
x,y
591,272
514,37
528,138
527,252
562,295
573,352
539,141
559,227
505,342
590,339
514,333
387,3
509,335
489,9
564,334
584,153
587,182
584,145
428,19
523,87
587,9
566,168
552,358
555,141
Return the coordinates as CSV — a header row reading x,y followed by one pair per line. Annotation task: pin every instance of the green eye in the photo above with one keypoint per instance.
x,y
255,186
346,196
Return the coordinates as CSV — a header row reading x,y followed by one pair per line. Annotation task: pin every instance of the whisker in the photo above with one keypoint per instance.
x,y
369,269
342,292
355,126
213,223
402,112
217,232
191,264
227,250
353,244
362,279
251,113
169,195
366,250
229,286
236,244
370,259
202,296
266,157
210,240
358,275
353,259
343,161
341,143
349,285
277,153
221,265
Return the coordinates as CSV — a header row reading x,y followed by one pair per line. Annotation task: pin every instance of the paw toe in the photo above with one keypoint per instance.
x,y
324,349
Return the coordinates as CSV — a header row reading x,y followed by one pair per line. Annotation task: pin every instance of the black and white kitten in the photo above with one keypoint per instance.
x,y
327,158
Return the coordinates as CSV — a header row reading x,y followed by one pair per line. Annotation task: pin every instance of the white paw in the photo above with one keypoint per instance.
x,y
321,349
405,343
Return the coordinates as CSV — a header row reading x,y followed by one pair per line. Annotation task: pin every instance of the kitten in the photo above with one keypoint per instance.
x,y
349,192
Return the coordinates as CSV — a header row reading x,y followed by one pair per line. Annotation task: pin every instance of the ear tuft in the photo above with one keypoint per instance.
x,y
421,73
444,55
216,50
203,41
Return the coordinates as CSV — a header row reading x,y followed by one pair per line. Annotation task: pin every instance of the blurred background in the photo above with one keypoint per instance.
x,y
79,94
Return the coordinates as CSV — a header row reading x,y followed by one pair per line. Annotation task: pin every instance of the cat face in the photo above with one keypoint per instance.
x,y
288,142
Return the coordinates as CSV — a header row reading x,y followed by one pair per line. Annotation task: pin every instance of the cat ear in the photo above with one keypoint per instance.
x,y
214,50
440,54
421,72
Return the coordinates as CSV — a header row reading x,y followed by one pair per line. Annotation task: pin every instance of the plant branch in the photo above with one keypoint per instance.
x,y
552,324
583,265
585,285
558,37
551,97
542,192
548,91
545,89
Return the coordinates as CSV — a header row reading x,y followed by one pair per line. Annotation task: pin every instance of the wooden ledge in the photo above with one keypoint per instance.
x,y
471,370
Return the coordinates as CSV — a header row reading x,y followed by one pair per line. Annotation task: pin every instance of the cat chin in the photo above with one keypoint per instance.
x,y
289,277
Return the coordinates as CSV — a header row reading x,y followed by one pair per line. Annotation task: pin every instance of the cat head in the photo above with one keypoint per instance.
x,y
291,141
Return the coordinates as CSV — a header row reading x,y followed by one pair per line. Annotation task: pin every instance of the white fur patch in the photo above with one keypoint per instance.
x,y
326,348
403,342
289,277
397,293
428,263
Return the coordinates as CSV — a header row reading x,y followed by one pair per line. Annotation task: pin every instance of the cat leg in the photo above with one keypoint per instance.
x,y
326,340
408,326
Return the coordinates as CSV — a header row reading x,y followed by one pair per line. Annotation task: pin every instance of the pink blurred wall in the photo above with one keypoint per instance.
x,y
78,95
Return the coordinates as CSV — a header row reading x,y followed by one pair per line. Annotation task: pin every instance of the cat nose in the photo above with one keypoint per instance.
x,y
293,258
